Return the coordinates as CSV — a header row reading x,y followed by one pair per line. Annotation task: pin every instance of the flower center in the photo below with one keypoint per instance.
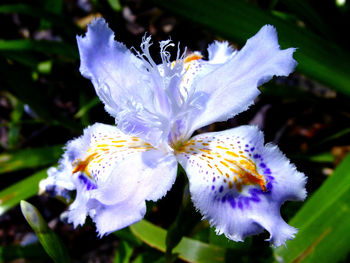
x,y
227,164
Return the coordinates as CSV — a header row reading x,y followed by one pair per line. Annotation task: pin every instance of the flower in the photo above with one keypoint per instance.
x,y
236,182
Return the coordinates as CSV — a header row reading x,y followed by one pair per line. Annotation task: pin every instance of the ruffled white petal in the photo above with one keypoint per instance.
x,y
232,87
113,174
220,52
239,184
112,68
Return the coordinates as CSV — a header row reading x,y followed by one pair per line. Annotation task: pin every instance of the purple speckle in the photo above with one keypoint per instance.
x,y
221,189
246,145
255,198
231,201
213,179
269,186
240,205
252,149
89,185
245,200
223,199
256,156
262,165
267,171
212,187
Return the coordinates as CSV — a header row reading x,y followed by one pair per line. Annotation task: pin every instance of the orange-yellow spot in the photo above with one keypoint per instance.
x,y
225,164
118,141
102,145
192,57
82,166
232,154
220,147
230,184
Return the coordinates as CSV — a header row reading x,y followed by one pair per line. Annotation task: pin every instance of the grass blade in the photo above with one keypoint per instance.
x,y
188,249
41,46
32,253
47,238
322,222
12,195
29,158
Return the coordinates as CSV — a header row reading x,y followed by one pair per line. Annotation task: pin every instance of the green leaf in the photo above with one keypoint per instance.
x,y
47,238
115,5
123,253
335,136
127,235
45,67
25,58
322,222
184,222
87,107
237,20
12,195
29,158
40,46
308,14
32,253
14,125
188,249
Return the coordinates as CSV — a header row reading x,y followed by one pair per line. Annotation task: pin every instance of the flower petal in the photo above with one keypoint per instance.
x,y
112,68
145,178
239,184
232,87
220,52
113,174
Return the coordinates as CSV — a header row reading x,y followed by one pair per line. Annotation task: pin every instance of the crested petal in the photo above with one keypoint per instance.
x,y
220,52
113,174
239,184
112,68
134,89
230,87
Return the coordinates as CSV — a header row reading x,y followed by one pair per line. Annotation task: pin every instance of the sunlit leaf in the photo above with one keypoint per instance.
x,y
12,195
238,20
47,238
40,46
322,222
88,106
29,158
188,249
115,5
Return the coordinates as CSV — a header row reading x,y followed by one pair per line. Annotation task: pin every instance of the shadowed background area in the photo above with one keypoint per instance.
x,y
44,102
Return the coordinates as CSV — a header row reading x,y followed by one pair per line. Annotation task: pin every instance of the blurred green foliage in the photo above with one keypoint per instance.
x,y
44,102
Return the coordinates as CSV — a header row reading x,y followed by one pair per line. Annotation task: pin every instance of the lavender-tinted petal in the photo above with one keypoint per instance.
x,y
240,192
232,87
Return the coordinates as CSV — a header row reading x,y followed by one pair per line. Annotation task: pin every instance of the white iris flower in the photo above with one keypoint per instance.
x,y
236,182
